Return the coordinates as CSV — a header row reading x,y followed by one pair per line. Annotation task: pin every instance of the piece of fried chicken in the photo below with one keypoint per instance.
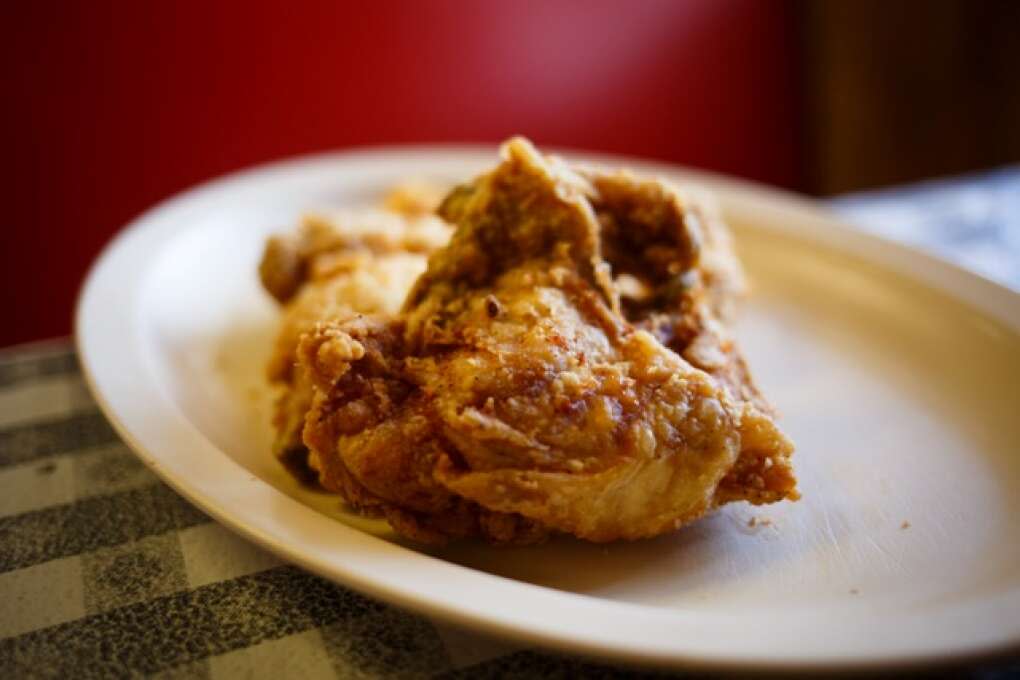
x,y
334,268
561,366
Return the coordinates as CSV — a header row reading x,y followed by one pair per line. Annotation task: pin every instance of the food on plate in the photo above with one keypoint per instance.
x,y
334,267
562,365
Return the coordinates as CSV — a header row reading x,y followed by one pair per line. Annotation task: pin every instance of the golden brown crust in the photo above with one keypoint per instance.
x,y
333,268
523,389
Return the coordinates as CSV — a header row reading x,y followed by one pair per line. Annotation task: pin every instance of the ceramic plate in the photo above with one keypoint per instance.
x,y
897,375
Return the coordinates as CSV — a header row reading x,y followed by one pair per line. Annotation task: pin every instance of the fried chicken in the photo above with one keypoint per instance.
x,y
562,366
335,267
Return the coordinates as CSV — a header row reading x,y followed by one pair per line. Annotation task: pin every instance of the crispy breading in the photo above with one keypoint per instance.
x,y
562,365
334,267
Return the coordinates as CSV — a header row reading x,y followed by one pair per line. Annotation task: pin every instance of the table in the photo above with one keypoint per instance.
x,y
104,571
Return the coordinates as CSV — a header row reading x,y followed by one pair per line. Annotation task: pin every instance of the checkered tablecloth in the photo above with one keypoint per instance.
x,y
106,572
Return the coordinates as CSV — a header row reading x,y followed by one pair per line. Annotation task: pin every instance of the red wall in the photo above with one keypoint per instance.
x,y
111,106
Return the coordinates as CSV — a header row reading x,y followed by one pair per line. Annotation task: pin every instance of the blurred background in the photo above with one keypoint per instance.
x,y
112,105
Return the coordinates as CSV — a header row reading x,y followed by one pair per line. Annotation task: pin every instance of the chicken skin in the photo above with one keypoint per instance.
x,y
561,366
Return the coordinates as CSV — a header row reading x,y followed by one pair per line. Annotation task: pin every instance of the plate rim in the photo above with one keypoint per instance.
x,y
917,265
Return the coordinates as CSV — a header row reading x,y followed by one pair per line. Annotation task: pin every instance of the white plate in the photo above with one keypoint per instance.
x,y
898,376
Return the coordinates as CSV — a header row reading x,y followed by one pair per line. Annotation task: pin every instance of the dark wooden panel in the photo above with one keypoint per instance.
x,y
904,89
